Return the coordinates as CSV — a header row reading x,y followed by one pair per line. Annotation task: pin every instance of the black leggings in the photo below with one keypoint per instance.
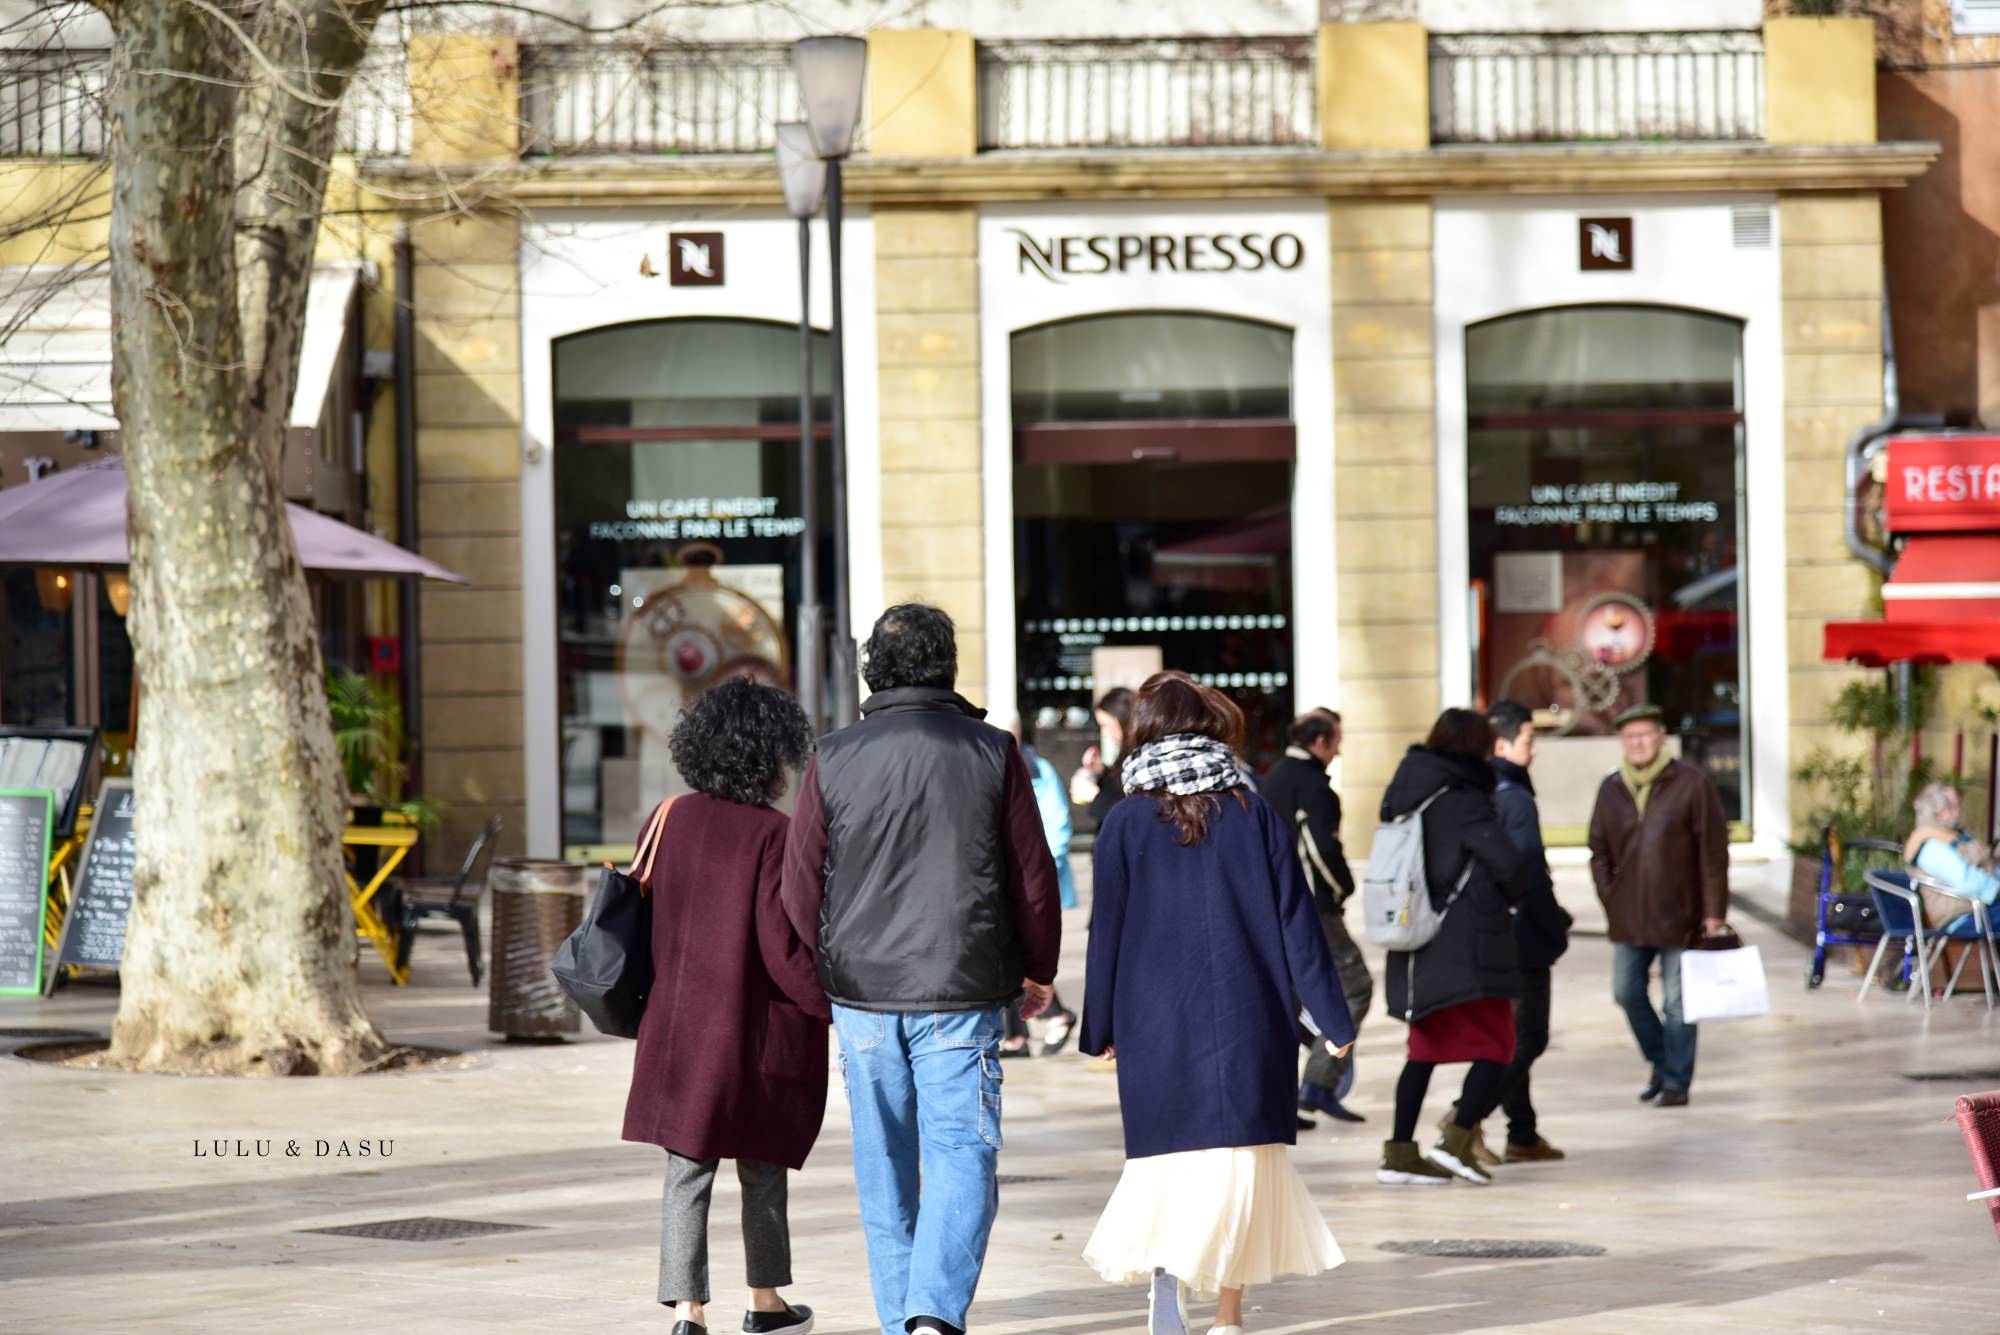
x,y
1479,1096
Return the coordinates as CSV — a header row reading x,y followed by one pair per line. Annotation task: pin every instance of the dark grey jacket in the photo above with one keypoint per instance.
x,y
1297,790
916,866
1541,925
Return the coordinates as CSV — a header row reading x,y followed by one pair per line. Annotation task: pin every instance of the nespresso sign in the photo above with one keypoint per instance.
x,y
1059,258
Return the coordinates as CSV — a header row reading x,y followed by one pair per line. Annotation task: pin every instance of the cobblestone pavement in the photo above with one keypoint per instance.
x,y
1812,1186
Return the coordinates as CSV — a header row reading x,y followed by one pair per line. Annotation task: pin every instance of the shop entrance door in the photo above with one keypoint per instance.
x,y
1153,507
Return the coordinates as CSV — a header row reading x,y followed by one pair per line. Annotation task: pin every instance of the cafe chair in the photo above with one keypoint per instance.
x,y
446,897
1902,915
1979,1122
1972,929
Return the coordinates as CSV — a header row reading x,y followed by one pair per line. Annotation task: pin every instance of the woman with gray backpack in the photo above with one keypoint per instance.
x,y
1440,888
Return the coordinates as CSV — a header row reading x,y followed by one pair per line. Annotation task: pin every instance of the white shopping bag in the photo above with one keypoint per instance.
x,y
1723,985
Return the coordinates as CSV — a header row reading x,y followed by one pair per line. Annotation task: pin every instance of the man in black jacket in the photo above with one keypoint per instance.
x,y
1297,790
1541,925
918,873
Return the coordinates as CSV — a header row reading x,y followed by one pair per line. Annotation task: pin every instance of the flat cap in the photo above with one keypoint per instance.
x,y
1639,714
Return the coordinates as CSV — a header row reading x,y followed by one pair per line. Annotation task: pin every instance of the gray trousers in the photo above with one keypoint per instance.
x,y
767,1237
1357,985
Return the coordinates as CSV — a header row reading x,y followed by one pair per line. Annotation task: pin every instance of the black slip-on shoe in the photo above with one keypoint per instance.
x,y
1652,1091
689,1328
794,1320
1671,1098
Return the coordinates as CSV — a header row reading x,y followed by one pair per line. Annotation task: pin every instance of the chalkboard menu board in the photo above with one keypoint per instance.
x,y
25,818
94,931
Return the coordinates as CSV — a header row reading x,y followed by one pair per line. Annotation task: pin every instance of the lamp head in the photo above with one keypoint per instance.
x,y
832,74
801,170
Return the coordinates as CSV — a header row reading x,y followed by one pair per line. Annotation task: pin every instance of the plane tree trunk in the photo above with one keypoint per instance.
x,y
240,954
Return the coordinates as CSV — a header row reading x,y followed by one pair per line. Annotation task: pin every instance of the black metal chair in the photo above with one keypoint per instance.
x,y
425,897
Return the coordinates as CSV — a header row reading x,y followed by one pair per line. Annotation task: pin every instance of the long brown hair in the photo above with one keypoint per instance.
x,y
1173,702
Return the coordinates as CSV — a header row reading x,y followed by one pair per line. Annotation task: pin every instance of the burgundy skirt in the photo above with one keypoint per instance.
x,y
1471,1031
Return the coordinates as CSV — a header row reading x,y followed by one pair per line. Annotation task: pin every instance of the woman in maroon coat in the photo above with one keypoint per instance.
x,y
732,1054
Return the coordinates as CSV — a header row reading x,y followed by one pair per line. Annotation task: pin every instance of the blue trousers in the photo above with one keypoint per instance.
x,y
1668,1046
923,1093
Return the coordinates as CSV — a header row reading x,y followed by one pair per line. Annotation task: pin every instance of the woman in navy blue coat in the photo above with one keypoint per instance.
x,y
1204,941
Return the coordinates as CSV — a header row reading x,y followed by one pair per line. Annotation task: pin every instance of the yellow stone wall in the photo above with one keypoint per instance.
x,y
927,321
1385,484
922,94
1819,80
468,390
1374,85
1831,277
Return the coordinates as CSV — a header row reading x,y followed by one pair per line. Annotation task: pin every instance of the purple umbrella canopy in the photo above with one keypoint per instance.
x,y
75,519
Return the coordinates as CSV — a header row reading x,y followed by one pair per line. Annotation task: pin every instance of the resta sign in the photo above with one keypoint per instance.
x,y
1943,484
1058,258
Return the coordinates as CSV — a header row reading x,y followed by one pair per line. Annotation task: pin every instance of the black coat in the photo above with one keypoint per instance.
x,y
1541,925
917,867
1297,790
1473,956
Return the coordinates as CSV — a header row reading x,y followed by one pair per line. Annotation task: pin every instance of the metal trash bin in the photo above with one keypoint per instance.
x,y
536,905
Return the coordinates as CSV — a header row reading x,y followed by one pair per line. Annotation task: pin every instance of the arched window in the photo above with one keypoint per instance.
x,y
1604,463
678,520
1153,510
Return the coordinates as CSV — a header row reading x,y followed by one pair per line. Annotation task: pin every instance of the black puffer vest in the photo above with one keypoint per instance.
x,y
917,915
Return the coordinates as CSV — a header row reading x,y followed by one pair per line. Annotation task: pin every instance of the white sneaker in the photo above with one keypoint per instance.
x,y
1225,1330
1167,1306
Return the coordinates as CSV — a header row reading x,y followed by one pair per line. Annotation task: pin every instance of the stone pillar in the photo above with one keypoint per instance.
x,y
1819,81
927,321
1831,269
1385,493
922,96
468,391
1374,86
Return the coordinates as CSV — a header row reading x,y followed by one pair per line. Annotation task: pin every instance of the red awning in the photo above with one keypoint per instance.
x,y
1880,643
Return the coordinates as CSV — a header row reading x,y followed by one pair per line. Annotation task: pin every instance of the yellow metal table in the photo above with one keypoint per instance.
x,y
394,842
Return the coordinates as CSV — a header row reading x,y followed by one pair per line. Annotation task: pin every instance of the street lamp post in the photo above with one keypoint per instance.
x,y
803,176
832,73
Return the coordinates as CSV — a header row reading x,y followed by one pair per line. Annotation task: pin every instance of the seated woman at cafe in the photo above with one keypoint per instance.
x,y
732,1052
1942,849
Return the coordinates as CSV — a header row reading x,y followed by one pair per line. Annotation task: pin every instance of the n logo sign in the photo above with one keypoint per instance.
x,y
694,259
1604,243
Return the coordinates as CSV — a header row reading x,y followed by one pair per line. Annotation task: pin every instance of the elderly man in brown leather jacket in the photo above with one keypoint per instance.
x,y
1659,852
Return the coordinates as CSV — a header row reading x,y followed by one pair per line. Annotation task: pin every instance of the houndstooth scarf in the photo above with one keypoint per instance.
x,y
1184,763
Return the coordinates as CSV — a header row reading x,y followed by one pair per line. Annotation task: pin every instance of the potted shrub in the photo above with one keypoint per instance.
x,y
374,750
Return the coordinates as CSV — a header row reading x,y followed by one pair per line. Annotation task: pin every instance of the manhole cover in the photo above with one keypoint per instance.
x,y
422,1229
1492,1249
1012,1179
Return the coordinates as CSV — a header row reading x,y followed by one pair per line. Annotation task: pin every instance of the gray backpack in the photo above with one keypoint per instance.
x,y
1395,897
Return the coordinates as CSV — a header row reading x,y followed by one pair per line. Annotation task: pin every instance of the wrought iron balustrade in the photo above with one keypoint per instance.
x,y
604,98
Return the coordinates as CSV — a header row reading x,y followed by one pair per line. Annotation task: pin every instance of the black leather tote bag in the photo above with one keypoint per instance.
x,y
606,965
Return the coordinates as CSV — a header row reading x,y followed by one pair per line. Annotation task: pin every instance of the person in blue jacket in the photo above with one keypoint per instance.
x,y
1052,801
1205,944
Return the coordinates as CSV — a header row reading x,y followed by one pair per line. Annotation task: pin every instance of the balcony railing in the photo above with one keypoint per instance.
x,y
1182,93
1511,87
52,104
675,99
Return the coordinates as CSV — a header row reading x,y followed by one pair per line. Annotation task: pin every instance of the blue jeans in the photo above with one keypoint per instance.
x,y
923,1094
1670,1046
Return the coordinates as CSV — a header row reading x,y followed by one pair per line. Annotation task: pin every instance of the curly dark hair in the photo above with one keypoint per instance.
x,y
913,644
736,742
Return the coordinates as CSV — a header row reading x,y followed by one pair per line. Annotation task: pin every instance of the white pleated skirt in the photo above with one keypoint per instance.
x,y
1214,1219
